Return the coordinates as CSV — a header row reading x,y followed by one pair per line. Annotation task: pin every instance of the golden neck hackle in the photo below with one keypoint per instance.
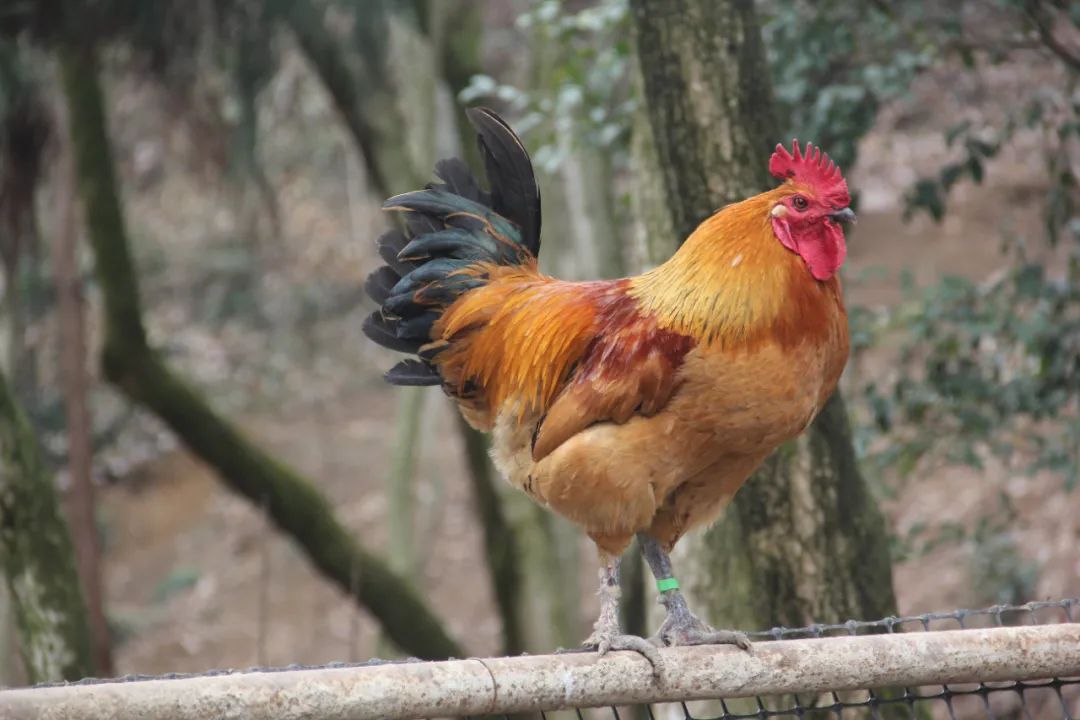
x,y
731,280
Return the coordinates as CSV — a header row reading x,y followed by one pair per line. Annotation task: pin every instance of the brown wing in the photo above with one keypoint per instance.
x,y
631,367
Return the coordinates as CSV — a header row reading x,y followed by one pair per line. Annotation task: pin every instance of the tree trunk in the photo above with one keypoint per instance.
x,y
38,558
129,362
803,541
81,505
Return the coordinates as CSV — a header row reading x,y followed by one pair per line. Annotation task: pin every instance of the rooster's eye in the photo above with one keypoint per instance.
x,y
799,202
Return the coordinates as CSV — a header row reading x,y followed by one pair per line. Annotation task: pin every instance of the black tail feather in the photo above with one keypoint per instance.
x,y
458,179
429,351
417,327
514,192
429,272
380,330
449,226
418,224
455,211
412,372
390,245
455,243
380,282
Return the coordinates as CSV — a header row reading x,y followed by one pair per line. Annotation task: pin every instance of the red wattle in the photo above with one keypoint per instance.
x,y
822,248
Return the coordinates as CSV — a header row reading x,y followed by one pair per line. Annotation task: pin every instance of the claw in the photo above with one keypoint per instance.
x,y
688,630
603,644
607,635
723,637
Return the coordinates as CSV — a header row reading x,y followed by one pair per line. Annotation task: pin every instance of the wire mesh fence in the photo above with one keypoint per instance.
x,y
1002,662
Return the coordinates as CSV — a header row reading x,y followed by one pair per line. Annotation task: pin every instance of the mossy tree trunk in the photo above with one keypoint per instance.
x,y
130,363
37,557
803,541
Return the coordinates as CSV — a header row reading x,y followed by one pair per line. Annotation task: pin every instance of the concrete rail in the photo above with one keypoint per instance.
x,y
550,682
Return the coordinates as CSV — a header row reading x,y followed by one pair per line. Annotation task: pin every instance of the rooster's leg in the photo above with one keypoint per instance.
x,y
607,635
681,627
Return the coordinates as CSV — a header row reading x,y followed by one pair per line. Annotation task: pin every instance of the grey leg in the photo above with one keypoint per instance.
x,y
607,635
681,627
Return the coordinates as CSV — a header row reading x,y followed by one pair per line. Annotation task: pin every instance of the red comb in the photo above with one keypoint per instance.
x,y
814,168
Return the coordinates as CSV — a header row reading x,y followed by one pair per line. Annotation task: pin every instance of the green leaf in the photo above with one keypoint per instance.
x,y
925,195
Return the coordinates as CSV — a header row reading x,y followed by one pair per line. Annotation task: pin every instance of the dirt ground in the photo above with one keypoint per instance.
x,y
195,577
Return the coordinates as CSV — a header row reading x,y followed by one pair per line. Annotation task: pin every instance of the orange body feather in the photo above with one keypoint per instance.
x,y
643,404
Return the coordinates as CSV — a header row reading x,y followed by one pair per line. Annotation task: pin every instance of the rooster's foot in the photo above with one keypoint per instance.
x,y
684,628
604,641
607,635
681,627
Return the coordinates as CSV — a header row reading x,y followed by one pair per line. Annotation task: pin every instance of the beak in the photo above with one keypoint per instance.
x,y
847,215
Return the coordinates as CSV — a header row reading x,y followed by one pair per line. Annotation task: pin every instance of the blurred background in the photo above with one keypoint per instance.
x,y
253,142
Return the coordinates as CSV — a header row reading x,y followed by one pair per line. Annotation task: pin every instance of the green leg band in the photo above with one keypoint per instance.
x,y
667,584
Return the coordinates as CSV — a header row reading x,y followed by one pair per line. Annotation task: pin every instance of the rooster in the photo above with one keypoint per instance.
x,y
635,406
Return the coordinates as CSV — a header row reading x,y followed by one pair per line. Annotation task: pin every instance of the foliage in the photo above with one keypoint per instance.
x,y
835,63
1052,112
989,366
992,367
588,87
